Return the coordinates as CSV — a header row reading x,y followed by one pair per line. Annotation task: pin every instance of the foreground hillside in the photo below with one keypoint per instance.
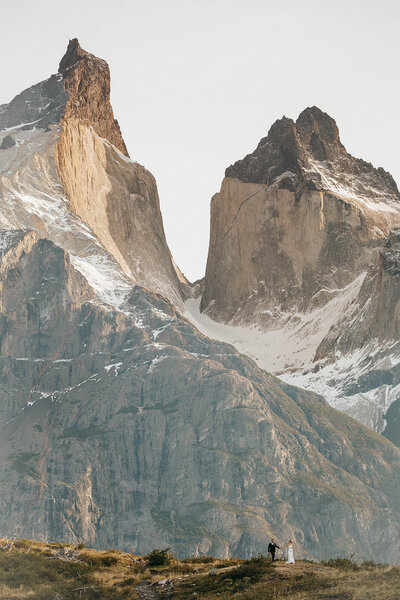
x,y
43,571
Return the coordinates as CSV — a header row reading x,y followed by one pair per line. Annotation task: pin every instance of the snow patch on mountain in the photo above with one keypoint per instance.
x,y
339,383
288,351
291,343
104,277
32,198
355,189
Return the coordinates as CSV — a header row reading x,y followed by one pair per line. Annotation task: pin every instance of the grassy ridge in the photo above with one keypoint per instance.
x,y
45,571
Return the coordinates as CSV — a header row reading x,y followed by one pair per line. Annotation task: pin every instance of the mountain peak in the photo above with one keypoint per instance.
x,y
63,148
87,83
317,115
319,134
73,54
308,153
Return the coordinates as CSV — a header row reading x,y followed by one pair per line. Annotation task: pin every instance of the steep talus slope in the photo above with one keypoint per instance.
x,y
65,172
129,428
295,230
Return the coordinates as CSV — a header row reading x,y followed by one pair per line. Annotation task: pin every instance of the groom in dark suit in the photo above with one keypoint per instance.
x,y
272,549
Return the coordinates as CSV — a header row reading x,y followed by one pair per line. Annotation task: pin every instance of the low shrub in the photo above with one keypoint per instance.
x,y
371,564
130,581
22,544
159,558
253,569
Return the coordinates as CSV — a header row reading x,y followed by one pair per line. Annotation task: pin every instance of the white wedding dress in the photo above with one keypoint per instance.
x,y
290,555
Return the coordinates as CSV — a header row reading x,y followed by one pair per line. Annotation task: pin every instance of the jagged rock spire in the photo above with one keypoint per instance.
x,y
295,155
73,54
87,83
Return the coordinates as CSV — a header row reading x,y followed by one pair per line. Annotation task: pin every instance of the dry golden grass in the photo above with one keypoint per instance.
x,y
301,581
34,570
20,592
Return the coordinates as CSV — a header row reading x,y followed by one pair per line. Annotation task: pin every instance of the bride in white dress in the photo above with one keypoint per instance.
x,y
290,553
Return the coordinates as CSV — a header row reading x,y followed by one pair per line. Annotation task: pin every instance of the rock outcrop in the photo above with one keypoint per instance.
x,y
288,216
87,84
296,227
129,428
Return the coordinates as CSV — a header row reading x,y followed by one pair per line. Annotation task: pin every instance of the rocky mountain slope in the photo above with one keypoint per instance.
x,y
301,252
120,423
128,427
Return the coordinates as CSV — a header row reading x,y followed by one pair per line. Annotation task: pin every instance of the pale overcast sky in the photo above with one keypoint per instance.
x,y
197,83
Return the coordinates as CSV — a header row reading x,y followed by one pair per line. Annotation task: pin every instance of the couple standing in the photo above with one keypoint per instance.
x,y
272,546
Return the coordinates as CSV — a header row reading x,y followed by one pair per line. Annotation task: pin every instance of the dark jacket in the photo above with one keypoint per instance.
x,y
272,547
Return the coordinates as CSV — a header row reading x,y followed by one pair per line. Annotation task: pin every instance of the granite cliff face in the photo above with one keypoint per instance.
x,y
298,230
120,423
289,215
129,428
66,173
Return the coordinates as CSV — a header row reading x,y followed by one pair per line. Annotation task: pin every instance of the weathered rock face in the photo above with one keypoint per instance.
x,y
281,242
87,83
308,154
66,173
296,227
376,314
369,330
37,310
129,428
36,107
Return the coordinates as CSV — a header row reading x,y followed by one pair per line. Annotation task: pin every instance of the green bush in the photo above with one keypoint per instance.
x,y
159,558
253,569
